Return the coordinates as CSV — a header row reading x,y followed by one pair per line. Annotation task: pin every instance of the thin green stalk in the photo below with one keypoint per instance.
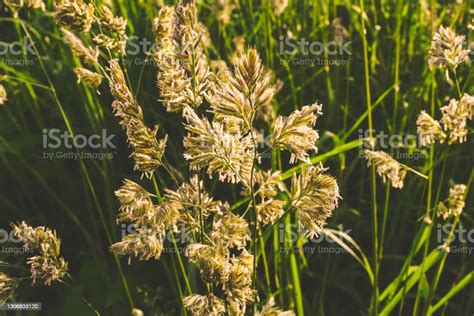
x,y
434,285
384,220
429,196
375,297
295,276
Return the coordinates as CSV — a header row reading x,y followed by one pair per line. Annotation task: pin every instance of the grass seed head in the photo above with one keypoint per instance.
x,y
296,134
208,305
8,285
86,54
387,167
3,95
314,196
454,120
47,266
75,14
90,78
429,129
446,49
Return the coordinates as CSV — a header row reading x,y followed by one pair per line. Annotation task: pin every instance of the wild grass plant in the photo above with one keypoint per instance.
x,y
236,157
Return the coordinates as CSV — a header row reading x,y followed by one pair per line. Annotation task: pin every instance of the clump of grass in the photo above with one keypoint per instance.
x,y
220,178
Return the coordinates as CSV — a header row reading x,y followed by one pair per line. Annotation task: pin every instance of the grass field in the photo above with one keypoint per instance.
x,y
326,172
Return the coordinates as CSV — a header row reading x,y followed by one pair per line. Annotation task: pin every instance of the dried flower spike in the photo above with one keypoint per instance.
x,y
387,167
446,49
111,23
209,305
15,5
466,105
454,119
295,133
279,6
148,151
238,283
210,146
75,14
270,309
3,95
92,79
183,78
8,286
314,196
192,202
135,204
240,94
144,244
230,230
456,202
429,129
47,265
212,261
87,54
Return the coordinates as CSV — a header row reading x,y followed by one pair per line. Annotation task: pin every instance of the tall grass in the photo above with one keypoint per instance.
x,y
384,87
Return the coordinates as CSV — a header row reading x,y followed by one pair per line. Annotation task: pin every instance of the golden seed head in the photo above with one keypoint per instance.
x,y
148,151
209,305
8,286
210,146
241,93
87,54
456,202
184,75
446,49
146,243
3,95
90,78
47,265
111,23
270,309
314,196
230,230
454,120
211,260
15,5
75,14
296,134
192,202
387,167
238,283
429,129
279,6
